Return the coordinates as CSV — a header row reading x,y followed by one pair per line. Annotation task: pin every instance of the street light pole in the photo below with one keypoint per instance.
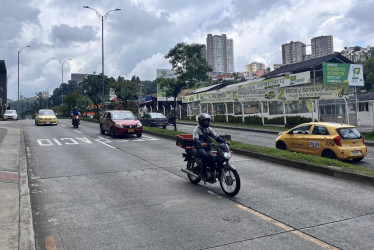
x,y
62,77
18,73
102,18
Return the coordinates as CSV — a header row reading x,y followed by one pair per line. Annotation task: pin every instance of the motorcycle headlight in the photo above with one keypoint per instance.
x,y
227,155
138,125
118,125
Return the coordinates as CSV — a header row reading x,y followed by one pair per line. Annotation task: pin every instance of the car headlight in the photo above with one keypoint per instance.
x,y
118,125
138,125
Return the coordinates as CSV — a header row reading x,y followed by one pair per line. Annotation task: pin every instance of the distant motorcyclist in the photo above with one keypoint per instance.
x,y
202,141
75,112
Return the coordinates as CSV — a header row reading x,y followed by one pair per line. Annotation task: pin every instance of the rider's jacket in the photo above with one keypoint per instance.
x,y
202,135
75,112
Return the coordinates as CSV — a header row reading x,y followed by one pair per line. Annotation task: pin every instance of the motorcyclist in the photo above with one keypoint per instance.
x,y
202,141
74,113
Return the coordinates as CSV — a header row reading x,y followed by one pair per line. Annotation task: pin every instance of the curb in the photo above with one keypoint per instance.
x,y
330,170
26,238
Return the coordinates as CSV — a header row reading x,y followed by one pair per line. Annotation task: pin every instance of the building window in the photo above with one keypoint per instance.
x,y
363,106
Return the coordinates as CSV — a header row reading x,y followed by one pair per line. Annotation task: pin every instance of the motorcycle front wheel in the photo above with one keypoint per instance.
x,y
230,182
192,166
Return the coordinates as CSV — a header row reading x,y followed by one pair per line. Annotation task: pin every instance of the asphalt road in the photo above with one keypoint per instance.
x,y
90,191
267,140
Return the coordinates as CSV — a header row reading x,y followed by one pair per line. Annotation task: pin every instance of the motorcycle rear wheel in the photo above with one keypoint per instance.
x,y
230,182
192,166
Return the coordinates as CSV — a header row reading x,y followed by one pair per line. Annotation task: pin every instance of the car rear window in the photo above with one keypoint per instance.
x,y
349,133
158,115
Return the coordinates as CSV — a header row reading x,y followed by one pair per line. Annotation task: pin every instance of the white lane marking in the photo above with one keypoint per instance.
x,y
212,193
148,138
63,125
45,142
58,143
78,131
69,143
101,140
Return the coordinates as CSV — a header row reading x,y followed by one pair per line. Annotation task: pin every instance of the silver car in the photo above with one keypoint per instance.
x,y
10,114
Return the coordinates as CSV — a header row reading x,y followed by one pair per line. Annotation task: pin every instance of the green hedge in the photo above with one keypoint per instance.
x,y
257,120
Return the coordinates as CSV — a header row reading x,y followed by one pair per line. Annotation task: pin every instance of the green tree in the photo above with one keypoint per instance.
x,y
368,67
126,90
149,87
190,67
92,86
74,99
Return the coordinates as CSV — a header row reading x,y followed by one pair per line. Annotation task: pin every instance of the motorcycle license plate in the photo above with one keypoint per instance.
x,y
160,124
130,130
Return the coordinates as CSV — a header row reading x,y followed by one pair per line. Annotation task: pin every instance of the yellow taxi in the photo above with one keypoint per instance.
x,y
326,139
46,117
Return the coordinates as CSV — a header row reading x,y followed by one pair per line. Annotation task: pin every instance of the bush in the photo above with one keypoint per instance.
x,y
296,120
220,118
253,120
291,120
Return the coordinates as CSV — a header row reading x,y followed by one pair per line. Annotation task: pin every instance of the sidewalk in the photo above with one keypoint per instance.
x,y
16,229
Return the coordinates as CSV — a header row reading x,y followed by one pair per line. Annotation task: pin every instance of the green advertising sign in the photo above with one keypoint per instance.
x,y
343,73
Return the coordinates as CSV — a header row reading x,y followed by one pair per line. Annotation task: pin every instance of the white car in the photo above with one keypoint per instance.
x,y
10,114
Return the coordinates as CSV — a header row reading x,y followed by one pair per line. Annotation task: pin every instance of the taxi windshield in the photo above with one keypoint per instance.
x,y
46,112
123,116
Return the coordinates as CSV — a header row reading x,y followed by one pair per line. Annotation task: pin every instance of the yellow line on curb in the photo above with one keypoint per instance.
x,y
287,228
50,243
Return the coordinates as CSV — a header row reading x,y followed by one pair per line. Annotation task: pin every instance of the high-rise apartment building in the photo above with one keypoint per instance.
x,y
293,52
322,46
220,54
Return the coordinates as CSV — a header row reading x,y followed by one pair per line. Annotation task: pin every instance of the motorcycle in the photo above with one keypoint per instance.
x,y
75,121
221,170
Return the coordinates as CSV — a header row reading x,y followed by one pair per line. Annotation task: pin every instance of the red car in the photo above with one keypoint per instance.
x,y
120,122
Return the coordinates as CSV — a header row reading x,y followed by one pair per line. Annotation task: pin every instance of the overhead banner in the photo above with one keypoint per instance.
x,y
278,82
343,73
190,98
316,92
217,96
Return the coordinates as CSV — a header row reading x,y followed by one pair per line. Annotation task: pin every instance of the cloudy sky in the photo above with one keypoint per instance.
x,y
137,37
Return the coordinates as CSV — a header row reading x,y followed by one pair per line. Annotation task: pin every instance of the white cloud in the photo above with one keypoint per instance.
x,y
147,68
137,37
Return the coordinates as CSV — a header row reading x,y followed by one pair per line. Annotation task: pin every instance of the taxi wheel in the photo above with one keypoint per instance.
x,y
281,145
328,154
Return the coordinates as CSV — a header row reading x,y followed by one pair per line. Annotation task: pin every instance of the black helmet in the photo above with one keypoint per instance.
x,y
203,117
